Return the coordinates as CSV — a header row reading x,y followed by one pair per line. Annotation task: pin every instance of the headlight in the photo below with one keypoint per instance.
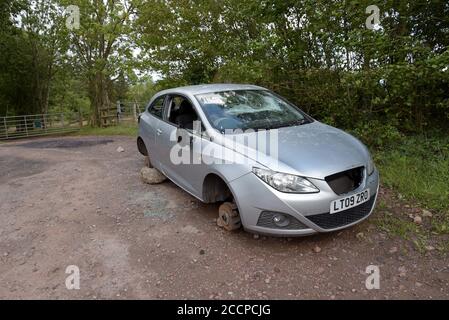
x,y
285,182
370,166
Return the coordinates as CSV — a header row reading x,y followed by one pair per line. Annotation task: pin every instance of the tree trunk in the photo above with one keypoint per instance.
x,y
46,88
98,96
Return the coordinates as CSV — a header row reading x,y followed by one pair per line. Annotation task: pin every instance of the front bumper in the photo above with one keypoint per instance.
x,y
253,196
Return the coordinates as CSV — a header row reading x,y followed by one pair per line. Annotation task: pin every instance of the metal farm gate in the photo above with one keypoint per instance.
x,y
34,125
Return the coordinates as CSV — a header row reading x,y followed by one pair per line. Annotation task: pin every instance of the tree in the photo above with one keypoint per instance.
x,y
32,50
318,54
102,48
182,38
42,22
14,62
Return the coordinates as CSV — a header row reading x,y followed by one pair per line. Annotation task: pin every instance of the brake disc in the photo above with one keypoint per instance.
x,y
228,216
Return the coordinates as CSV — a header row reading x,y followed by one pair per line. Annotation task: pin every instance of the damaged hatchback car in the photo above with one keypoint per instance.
x,y
274,169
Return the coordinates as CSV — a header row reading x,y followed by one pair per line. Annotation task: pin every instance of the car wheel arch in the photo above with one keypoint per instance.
x,y
215,189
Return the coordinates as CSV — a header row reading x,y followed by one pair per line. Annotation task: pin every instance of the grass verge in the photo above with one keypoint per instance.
x,y
417,169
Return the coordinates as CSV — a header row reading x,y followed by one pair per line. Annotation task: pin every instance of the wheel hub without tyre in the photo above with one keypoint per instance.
x,y
228,216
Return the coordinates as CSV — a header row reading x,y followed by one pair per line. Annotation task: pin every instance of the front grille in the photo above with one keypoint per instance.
x,y
343,218
266,220
345,181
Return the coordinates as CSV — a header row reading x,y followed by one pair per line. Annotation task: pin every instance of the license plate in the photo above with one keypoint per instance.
x,y
349,201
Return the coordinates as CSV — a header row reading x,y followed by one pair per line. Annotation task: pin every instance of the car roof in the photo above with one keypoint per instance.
x,y
207,88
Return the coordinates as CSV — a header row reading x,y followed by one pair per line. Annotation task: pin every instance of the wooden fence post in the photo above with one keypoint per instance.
x,y
80,117
26,125
119,111
6,128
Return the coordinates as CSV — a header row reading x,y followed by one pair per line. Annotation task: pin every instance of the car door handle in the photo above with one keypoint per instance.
x,y
158,132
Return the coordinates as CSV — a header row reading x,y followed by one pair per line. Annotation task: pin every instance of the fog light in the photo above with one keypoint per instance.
x,y
281,220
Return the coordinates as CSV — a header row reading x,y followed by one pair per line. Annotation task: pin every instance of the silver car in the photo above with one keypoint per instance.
x,y
274,169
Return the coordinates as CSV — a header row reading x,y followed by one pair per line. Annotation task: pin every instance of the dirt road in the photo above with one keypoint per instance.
x,y
77,201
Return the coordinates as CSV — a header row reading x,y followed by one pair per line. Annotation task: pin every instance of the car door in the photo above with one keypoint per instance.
x,y
149,130
188,174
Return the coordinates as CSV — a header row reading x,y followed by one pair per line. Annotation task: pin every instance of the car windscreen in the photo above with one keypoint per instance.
x,y
249,109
